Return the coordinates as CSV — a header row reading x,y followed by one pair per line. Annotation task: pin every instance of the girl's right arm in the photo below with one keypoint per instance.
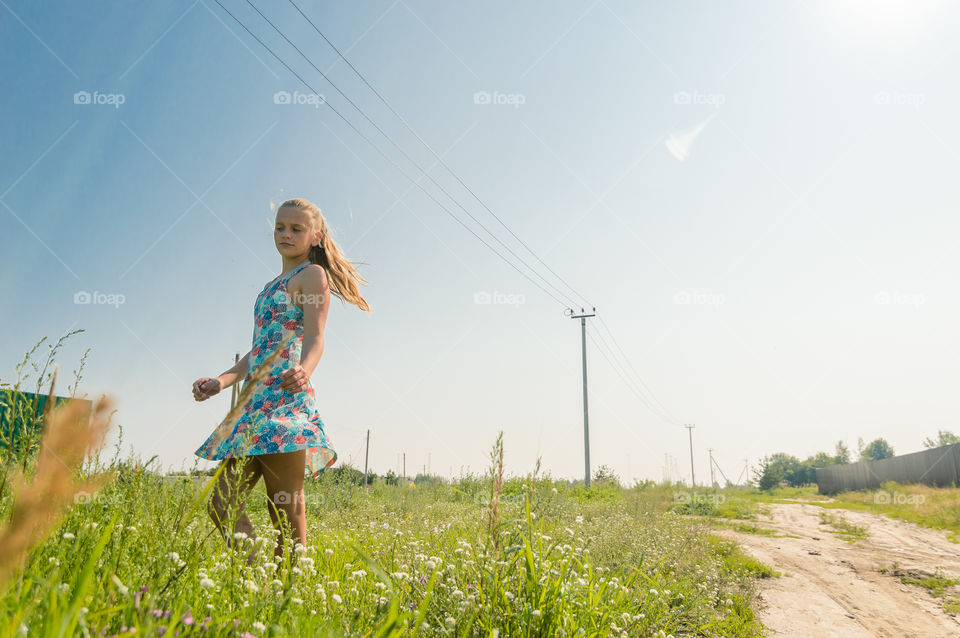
x,y
206,387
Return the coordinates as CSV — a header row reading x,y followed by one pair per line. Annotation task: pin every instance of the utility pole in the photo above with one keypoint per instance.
x,y
712,480
586,420
404,467
693,478
235,390
366,458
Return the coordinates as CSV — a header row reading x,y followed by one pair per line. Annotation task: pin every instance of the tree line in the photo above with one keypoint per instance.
x,y
785,469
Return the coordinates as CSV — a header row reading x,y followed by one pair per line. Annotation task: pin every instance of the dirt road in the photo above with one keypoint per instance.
x,y
850,588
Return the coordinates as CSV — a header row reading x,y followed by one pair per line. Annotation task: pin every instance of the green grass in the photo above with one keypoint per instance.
x,y
748,528
844,528
737,562
937,584
932,507
388,559
142,558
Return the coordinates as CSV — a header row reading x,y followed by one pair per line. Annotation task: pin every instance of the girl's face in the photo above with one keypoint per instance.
x,y
292,232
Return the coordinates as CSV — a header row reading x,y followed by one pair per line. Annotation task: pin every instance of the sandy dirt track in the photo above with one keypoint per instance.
x,y
832,587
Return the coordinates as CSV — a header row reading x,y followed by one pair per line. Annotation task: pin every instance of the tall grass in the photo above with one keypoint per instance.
x,y
487,555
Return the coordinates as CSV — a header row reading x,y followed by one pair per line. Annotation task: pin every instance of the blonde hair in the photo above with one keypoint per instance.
x,y
342,276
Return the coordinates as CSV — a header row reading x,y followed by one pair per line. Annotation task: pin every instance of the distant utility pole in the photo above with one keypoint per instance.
x,y
235,391
712,479
404,467
586,420
366,459
693,478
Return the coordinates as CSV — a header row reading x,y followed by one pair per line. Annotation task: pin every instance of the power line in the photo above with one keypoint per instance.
x,y
435,154
673,420
630,383
388,158
626,380
400,149
653,403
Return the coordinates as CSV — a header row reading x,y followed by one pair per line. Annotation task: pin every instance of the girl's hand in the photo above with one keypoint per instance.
x,y
205,387
294,379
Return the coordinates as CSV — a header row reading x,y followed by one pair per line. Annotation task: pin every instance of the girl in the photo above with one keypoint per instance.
x,y
279,432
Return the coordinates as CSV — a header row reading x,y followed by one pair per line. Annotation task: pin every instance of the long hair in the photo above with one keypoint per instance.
x,y
343,277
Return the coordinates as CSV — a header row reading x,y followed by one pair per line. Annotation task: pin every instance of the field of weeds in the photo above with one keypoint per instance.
x,y
133,552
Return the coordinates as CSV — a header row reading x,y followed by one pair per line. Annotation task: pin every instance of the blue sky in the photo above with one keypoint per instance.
x,y
757,197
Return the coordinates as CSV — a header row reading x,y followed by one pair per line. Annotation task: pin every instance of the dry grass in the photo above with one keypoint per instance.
x,y
496,474
69,433
259,374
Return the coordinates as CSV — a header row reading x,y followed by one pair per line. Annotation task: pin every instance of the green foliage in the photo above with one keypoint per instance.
x,y
843,528
876,450
784,469
736,561
841,454
605,474
141,557
944,437
937,583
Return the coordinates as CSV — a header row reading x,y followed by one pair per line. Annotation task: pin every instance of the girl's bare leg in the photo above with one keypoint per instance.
x,y
283,476
233,487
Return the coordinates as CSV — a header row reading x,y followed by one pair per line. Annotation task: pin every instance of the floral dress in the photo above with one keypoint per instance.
x,y
273,419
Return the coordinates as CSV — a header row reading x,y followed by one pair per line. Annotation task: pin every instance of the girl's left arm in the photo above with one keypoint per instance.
x,y
313,296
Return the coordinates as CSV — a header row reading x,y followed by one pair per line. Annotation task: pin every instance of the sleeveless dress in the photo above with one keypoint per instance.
x,y
273,419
